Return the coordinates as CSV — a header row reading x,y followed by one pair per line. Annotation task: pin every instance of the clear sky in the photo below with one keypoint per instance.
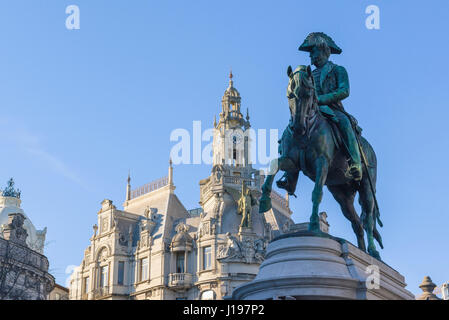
x,y
79,108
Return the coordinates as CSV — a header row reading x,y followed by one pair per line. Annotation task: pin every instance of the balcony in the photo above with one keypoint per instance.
x,y
180,280
100,293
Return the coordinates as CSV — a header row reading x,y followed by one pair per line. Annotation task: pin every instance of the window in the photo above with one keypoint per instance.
x,y
121,272
103,276
207,259
143,269
57,296
180,266
208,295
86,285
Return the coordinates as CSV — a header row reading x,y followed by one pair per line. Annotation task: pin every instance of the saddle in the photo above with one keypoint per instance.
x,y
329,115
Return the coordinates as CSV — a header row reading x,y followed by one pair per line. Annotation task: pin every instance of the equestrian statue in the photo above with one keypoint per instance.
x,y
324,142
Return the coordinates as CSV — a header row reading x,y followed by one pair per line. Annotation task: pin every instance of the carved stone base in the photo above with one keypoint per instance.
x,y
246,232
307,267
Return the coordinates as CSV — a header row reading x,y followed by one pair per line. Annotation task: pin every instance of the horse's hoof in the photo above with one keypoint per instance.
x,y
374,253
314,227
264,205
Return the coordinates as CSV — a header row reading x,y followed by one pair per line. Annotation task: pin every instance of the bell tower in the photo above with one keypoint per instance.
x,y
231,136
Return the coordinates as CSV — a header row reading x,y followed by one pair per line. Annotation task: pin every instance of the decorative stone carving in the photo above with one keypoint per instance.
x,y
148,224
122,239
104,225
217,173
218,203
9,191
40,240
182,227
268,234
150,213
106,204
14,230
248,250
207,227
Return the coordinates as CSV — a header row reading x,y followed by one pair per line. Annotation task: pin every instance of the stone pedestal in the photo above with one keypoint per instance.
x,y
302,266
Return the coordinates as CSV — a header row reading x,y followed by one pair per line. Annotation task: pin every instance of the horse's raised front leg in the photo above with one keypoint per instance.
x,y
265,200
322,166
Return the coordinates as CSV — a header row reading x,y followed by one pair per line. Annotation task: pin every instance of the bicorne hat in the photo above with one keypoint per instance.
x,y
315,38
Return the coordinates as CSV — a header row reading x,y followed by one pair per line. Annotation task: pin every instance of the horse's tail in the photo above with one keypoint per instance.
x,y
377,213
372,171
376,233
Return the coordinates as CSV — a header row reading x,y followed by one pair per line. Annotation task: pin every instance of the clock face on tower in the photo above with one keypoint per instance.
x,y
234,137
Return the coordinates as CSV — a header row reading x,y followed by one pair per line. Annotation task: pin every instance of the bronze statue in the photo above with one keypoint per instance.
x,y
324,142
245,204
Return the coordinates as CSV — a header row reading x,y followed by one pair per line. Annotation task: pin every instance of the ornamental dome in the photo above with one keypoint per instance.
x,y
182,240
8,205
231,91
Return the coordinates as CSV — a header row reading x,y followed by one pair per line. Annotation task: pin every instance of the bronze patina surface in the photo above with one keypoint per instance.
x,y
324,142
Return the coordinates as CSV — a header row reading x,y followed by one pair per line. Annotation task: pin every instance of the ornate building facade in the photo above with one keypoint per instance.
x,y
23,266
157,249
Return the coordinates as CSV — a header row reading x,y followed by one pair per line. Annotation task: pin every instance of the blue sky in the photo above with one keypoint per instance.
x,y
79,108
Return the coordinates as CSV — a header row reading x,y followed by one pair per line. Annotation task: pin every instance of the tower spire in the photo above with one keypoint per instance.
x,y
231,82
128,187
170,172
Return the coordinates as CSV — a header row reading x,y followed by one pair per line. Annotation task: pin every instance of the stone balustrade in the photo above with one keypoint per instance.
x,y
180,280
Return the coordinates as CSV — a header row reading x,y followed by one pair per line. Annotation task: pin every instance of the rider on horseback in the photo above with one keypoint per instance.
x,y
332,86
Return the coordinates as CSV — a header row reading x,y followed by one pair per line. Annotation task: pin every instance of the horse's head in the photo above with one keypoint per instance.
x,y
301,96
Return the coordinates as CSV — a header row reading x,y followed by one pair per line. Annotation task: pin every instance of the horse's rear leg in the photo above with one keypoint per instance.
x,y
322,167
345,198
366,201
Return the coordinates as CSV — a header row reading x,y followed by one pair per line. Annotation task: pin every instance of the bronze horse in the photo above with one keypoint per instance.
x,y
311,145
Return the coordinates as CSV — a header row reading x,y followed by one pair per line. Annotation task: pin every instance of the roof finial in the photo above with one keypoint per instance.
x,y
230,78
128,187
170,172
247,114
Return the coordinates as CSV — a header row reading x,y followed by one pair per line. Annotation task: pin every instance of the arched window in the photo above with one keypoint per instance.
x,y
208,295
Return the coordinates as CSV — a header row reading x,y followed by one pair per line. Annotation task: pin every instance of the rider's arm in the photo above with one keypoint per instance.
x,y
342,90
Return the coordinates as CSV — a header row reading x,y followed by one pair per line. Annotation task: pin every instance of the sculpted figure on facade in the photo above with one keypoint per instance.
x,y
245,204
249,251
260,248
232,250
217,172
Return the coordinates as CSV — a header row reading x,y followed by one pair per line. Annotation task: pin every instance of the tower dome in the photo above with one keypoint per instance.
x,y
10,204
230,90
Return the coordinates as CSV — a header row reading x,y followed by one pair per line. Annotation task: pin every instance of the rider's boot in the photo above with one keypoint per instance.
x,y
355,165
